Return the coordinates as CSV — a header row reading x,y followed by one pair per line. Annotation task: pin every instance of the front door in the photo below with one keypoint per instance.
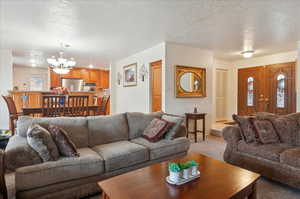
x,y
268,88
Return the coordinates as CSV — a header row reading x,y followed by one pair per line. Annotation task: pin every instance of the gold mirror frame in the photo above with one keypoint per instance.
x,y
200,72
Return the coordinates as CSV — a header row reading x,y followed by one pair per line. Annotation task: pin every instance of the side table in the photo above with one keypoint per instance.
x,y
195,117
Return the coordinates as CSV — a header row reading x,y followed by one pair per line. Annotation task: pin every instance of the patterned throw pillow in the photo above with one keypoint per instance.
x,y
248,132
40,140
156,130
266,131
63,142
171,134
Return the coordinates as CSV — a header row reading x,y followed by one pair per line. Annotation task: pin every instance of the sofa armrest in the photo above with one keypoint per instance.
x,y
19,154
232,135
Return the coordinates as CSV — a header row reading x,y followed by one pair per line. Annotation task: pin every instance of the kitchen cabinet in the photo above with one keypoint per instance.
x,y
98,76
104,79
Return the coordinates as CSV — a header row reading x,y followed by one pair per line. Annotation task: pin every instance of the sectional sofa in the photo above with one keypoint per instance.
x,y
108,146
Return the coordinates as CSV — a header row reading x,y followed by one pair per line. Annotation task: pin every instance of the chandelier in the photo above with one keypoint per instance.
x,y
61,65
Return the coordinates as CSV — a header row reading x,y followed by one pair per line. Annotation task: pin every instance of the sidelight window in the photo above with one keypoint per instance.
x,y
250,91
280,93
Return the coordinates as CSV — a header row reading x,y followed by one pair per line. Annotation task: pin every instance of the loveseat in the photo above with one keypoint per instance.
x,y
278,161
108,146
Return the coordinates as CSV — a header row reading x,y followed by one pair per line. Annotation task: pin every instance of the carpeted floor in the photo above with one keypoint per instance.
x,y
214,147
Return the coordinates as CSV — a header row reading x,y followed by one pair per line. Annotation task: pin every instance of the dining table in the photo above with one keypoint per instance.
x,y
92,110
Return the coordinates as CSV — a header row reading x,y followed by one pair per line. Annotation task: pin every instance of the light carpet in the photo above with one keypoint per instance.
x,y
214,147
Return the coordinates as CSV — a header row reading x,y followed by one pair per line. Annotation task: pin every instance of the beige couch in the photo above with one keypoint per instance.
x,y
108,146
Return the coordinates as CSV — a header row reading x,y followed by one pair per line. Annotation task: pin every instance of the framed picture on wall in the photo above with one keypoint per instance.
x,y
130,75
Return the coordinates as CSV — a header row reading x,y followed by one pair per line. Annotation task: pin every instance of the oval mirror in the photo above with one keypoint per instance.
x,y
190,82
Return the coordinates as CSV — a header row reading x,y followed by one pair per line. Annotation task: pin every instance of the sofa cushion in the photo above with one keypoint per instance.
x,y
291,157
286,127
65,169
75,126
121,154
19,154
156,129
267,151
164,147
171,134
137,122
107,129
248,132
41,141
266,132
63,142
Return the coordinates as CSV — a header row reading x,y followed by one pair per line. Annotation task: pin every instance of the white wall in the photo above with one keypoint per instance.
x,y
135,98
5,84
298,79
266,60
188,56
22,74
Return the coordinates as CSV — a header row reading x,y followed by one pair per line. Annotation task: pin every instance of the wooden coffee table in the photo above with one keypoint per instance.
x,y
218,180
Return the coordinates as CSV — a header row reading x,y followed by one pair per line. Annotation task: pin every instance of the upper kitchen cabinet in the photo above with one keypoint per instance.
x,y
54,79
100,77
104,80
85,74
95,76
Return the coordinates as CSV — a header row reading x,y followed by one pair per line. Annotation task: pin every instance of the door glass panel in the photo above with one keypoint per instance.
x,y
280,95
250,93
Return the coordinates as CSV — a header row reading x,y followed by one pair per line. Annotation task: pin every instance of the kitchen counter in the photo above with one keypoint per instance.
x,y
33,99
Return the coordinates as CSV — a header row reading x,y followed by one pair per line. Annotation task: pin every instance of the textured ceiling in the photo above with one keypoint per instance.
x,y
101,31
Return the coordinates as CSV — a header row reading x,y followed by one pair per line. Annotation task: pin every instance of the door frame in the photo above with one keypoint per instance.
x,y
150,83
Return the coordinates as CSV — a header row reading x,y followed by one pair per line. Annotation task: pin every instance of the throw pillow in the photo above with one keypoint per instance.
x,y
172,132
156,130
248,132
266,131
40,140
63,142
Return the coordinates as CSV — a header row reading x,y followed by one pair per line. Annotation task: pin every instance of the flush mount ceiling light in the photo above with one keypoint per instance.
x,y
248,53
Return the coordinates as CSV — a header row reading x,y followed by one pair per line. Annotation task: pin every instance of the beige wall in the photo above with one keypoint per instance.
x,y
23,74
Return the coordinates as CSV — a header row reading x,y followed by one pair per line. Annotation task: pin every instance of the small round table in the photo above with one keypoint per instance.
x,y
195,117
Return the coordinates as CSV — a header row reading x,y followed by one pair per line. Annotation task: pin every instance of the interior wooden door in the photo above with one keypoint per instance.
x,y
280,89
250,90
156,84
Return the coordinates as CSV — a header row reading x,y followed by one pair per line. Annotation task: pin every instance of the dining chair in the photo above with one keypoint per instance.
x,y
53,105
103,105
13,113
77,105
3,189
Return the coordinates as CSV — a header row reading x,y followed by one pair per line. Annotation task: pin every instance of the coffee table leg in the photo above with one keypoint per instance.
x,y
253,194
104,196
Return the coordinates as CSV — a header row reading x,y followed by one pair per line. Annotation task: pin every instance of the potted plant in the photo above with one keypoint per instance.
x,y
185,170
174,171
193,165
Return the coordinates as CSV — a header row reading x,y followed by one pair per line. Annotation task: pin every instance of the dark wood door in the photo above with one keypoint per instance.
x,y
250,90
268,88
156,84
280,95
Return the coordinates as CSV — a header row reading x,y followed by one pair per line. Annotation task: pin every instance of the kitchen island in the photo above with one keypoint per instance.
x,y
33,99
